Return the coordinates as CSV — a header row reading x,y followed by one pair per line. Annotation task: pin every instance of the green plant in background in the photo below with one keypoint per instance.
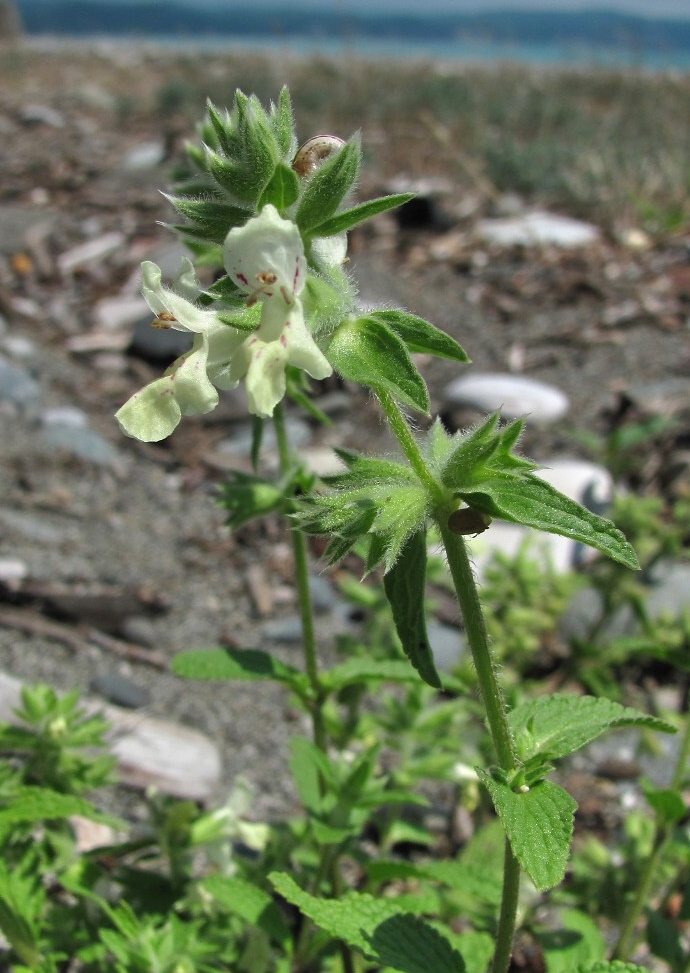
x,y
330,890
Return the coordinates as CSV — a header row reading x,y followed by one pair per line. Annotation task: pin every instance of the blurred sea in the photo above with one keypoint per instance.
x,y
451,51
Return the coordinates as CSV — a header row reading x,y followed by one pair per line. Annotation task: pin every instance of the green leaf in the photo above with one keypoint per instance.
x,y
612,966
405,588
344,221
283,124
533,502
420,336
367,351
327,187
211,218
310,770
244,497
43,804
539,826
251,903
554,726
282,189
377,929
364,670
235,664
668,805
576,941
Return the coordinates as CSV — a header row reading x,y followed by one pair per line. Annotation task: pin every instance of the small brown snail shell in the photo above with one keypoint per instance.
x,y
315,151
468,520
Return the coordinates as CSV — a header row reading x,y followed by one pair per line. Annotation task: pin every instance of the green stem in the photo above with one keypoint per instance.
x,y
477,637
663,832
299,549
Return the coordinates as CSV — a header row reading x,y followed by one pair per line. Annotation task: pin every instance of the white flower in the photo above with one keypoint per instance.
x,y
187,387
265,258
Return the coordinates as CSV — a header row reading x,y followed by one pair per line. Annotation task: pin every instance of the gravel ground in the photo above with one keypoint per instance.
x,y
148,520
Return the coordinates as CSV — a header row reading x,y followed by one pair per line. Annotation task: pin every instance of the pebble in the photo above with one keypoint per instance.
x,y
146,155
13,570
298,431
91,252
80,441
121,312
587,483
158,345
35,114
448,645
119,690
537,228
511,395
18,388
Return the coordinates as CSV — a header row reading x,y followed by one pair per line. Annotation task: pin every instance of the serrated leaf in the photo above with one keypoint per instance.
x,y
367,351
576,941
234,664
554,726
539,826
310,770
533,502
344,221
420,336
282,189
405,586
327,187
251,903
376,928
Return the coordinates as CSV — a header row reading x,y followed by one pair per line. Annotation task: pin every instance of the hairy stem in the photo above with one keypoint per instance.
x,y
477,637
299,550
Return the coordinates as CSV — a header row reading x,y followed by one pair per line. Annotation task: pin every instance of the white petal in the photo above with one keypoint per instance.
x,y
265,257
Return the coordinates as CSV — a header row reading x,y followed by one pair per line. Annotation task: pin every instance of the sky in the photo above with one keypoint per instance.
x,y
650,8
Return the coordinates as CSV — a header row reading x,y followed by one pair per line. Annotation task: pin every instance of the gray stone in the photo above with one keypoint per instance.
x,y
158,345
322,594
511,395
91,252
448,645
81,441
18,388
298,432
537,228
669,594
287,630
36,114
119,690
145,155
174,759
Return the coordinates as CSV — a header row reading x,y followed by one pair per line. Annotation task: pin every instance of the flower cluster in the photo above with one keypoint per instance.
x,y
265,259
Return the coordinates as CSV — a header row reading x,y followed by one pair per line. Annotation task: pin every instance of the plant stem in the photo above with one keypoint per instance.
x,y
299,549
477,637
663,831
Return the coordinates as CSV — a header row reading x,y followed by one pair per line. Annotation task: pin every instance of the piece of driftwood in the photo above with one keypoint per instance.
x,y
175,759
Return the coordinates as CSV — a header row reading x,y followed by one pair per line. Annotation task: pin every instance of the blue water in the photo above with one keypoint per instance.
x,y
476,52
450,51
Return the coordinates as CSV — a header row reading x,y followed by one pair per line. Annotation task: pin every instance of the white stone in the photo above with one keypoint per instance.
x,y
92,251
586,483
146,155
511,395
149,752
537,228
118,313
65,415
